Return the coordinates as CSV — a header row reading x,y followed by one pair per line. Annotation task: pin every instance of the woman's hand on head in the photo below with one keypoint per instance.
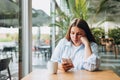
x,y
84,40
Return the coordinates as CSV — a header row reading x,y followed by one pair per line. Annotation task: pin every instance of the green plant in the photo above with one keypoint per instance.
x,y
115,34
97,32
75,9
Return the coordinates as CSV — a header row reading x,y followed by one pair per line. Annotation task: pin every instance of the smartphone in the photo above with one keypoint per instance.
x,y
67,60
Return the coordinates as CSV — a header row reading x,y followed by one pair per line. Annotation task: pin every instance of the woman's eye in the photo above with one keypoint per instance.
x,y
78,34
72,33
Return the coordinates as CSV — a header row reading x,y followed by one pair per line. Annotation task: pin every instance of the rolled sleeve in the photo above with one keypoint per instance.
x,y
92,63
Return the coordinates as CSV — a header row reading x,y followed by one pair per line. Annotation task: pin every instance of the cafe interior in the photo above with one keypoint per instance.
x,y
31,29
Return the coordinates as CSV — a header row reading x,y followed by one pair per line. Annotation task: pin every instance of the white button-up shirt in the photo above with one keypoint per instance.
x,y
65,49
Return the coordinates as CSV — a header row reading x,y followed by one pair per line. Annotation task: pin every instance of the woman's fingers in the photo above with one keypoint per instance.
x,y
67,66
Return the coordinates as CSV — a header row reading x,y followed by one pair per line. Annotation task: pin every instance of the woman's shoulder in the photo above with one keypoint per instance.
x,y
94,44
63,40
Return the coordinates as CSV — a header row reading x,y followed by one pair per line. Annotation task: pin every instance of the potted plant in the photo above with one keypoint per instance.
x,y
115,34
98,33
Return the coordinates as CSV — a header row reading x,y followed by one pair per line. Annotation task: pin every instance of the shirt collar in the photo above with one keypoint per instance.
x,y
68,43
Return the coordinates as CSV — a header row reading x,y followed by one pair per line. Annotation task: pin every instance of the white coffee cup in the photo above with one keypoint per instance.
x,y
52,67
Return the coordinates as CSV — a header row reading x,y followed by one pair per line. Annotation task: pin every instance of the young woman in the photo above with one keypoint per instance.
x,y
77,50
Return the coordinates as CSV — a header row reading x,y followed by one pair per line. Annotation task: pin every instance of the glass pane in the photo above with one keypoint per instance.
x,y
41,33
9,33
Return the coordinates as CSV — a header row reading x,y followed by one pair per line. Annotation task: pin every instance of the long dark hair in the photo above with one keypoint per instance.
x,y
82,24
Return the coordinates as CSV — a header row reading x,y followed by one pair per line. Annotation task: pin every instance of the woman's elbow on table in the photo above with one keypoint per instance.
x,y
90,67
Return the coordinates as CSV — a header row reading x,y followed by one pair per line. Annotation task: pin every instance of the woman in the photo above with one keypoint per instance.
x,y
78,49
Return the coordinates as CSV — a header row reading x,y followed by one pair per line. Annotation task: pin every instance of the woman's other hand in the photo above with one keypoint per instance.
x,y
65,66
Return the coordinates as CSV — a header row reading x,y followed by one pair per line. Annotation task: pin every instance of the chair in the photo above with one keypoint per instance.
x,y
103,43
9,49
110,45
4,65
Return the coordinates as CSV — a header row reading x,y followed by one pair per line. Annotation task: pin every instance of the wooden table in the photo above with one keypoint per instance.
x,y
72,75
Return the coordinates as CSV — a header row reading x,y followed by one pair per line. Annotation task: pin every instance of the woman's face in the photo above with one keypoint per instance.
x,y
75,35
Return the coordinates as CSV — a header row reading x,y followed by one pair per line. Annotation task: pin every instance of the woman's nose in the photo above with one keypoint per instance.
x,y
75,35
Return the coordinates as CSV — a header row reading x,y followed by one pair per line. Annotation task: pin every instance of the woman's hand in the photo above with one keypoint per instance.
x,y
84,40
66,65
